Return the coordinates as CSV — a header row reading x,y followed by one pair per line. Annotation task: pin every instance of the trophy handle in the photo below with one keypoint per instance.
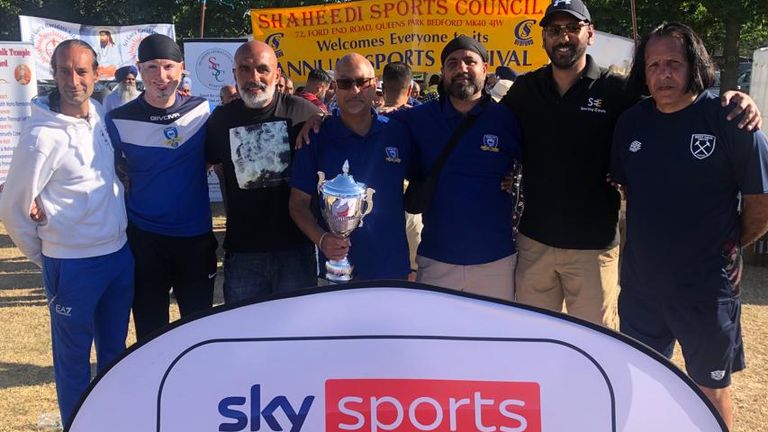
x,y
320,181
367,204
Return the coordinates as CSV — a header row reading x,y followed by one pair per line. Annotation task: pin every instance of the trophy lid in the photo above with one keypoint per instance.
x,y
343,185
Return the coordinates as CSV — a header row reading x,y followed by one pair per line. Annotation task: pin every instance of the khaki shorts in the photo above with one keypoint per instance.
x,y
585,280
493,279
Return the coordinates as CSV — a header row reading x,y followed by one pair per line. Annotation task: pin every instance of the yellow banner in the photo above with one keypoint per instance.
x,y
411,31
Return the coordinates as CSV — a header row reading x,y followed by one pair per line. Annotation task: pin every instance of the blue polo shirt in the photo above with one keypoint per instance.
x,y
164,152
683,172
470,219
379,159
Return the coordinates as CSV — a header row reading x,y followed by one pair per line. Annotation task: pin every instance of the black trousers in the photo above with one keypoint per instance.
x,y
186,264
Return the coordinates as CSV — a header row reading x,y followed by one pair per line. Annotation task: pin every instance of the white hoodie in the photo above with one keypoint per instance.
x,y
67,166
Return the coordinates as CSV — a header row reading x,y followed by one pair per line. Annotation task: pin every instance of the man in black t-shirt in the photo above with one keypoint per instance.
x,y
265,251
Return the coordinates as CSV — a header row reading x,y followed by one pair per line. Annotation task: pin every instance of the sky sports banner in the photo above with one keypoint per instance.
x,y
115,46
391,356
414,32
17,88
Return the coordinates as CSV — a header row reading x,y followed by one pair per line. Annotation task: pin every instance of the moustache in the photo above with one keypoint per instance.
x,y
255,85
461,76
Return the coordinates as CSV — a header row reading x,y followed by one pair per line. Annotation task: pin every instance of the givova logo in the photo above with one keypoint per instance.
x,y
399,405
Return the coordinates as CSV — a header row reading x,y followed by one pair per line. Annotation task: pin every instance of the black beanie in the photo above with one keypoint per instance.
x,y
463,42
158,46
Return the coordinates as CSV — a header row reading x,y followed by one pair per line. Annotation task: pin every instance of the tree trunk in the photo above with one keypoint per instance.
x,y
730,71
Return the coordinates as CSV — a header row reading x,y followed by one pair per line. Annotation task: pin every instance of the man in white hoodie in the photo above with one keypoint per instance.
x,y
64,165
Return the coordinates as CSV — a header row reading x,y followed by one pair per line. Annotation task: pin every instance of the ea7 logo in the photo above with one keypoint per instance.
x,y
251,411
702,145
63,310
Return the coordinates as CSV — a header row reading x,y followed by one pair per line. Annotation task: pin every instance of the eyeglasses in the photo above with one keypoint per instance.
x,y
570,28
347,83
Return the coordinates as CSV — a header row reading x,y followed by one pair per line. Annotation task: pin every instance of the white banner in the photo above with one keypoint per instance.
x,y
210,63
115,46
396,357
17,87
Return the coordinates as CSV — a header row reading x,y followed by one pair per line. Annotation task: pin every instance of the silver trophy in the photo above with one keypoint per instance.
x,y
343,203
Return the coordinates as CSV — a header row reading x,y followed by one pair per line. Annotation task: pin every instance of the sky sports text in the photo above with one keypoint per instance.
x,y
399,405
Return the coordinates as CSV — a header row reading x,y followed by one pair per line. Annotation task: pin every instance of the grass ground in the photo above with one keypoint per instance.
x,y
26,374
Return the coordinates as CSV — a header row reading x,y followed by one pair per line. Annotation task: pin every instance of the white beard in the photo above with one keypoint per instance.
x,y
257,101
127,93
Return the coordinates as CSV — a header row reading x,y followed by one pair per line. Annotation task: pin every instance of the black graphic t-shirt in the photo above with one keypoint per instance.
x,y
255,148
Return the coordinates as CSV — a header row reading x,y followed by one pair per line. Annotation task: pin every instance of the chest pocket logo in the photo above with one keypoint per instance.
x,y
702,145
490,143
172,135
393,154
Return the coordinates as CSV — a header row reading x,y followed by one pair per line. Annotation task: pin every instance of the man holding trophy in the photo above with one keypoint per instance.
x,y
354,155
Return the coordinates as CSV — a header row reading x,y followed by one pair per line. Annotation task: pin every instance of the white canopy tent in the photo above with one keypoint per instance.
x,y
759,84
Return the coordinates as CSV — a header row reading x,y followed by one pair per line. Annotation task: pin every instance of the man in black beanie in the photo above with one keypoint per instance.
x,y
467,242
160,140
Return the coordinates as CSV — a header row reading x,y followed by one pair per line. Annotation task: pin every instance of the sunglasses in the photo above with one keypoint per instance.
x,y
570,28
347,83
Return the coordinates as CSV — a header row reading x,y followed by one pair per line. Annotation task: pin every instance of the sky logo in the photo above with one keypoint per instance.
x,y
245,411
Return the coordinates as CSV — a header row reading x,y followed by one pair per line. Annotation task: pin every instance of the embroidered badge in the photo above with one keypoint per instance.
x,y
490,143
393,154
172,135
635,146
702,145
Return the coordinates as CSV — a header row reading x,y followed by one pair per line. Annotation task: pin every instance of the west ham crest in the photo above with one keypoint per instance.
x,y
172,136
490,143
702,145
393,154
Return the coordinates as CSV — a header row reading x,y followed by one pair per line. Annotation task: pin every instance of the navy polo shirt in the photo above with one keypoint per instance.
x,y
566,142
683,172
470,218
379,159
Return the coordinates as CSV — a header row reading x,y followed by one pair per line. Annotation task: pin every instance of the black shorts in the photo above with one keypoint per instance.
x,y
709,334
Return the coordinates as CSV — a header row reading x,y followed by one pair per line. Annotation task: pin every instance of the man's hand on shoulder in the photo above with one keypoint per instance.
x,y
751,118
312,124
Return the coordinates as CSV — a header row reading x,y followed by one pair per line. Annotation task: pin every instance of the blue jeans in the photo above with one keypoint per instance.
x,y
251,275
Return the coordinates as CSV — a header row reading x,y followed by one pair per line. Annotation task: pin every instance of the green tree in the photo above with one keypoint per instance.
x,y
731,29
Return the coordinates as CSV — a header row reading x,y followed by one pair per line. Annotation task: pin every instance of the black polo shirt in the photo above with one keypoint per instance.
x,y
566,144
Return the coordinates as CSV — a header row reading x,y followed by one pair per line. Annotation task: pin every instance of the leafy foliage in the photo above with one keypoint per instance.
x,y
730,28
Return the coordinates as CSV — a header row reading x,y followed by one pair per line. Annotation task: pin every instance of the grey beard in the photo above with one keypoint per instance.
x,y
127,93
255,102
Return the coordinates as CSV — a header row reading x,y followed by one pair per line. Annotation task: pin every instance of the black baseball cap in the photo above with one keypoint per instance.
x,y
575,8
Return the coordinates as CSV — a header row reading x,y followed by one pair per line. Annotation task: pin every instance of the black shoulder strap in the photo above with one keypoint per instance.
x,y
452,142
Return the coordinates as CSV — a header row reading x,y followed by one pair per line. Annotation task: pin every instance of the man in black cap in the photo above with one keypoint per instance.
x,y
125,91
160,140
568,241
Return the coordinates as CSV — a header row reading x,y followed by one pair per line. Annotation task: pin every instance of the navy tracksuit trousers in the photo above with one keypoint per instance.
x,y
89,300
